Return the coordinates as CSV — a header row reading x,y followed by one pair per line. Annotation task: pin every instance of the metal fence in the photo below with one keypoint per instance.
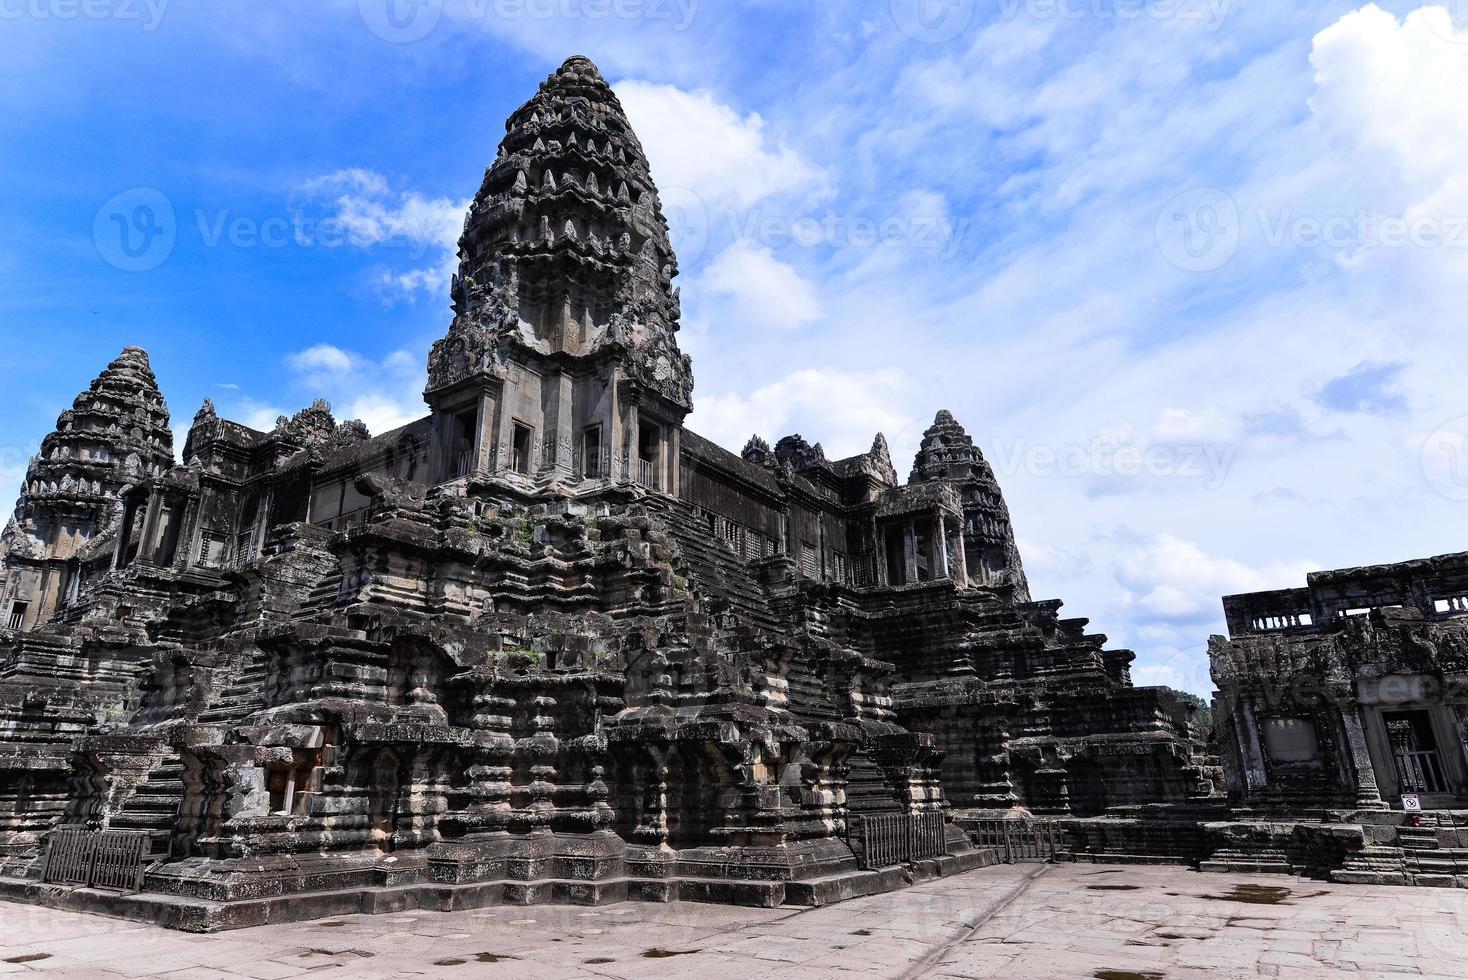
x,y
1017,841
100,858
881,840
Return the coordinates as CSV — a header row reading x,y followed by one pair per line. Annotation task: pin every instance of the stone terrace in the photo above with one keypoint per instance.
x,y
1028,921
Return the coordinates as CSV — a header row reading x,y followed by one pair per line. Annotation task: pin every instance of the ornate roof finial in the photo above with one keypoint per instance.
x,y
880,450
206,412
757,451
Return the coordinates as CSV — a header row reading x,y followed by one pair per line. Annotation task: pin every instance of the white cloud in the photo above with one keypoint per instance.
x,y
373,215
697,144
1391,92
321,358
842,410
385,394
1174,580
765,292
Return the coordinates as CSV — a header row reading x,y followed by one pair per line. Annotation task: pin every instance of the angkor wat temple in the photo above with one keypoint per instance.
x,y
546,643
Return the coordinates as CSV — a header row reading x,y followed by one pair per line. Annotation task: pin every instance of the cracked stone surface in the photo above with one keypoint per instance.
x,y
1021,920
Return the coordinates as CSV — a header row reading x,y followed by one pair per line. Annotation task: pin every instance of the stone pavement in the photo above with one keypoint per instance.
x,y
1019,921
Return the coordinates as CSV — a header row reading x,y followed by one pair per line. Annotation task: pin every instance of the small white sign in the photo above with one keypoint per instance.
x,y
1410,803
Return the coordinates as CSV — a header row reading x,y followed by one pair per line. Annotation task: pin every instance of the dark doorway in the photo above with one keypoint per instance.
x,y
1415,752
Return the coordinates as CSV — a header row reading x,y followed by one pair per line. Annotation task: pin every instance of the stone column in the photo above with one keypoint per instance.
x,y
959,565
945,570
909,550
484,460
1368,796
561,445
1460,727
124,534
148,540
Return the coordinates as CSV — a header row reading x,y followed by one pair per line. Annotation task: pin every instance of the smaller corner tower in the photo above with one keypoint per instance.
x,y
948,453
115,435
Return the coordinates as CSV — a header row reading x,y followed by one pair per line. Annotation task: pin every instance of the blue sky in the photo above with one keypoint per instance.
x,y
1192,272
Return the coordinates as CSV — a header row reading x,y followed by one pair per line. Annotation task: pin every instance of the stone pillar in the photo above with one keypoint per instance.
x,y
124,534
909,550
1368,796
146,543
940,544
1460,728
1256,776
487,424
561,438
958,566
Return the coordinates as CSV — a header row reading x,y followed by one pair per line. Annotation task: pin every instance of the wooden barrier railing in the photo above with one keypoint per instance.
x,y
881,840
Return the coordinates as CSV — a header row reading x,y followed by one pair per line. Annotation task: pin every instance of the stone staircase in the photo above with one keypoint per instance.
x,y
1428,862
1248,860
716,571
1419,858
244,695
154,806
323,595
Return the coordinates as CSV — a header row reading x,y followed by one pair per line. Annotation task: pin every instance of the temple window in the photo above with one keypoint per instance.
x,y
810,560
212,549
245,540
166,536
896,549
923,552
462,430
17,615
1291,740
591,452
649,454
520,449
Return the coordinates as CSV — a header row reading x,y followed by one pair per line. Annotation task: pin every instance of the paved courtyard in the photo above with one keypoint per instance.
x,y
1020,921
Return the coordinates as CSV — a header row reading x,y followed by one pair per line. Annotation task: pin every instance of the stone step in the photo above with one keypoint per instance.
x,y
1240,861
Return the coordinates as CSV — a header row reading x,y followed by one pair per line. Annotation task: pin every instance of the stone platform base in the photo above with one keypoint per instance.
x,y
192,914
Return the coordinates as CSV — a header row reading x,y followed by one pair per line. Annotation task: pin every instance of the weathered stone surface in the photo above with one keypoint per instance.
x,y
1075,921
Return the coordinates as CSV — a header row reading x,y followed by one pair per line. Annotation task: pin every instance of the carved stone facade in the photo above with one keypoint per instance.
x,y
1349,692
546,643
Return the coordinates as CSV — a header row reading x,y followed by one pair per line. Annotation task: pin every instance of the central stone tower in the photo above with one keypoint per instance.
x,y
562,364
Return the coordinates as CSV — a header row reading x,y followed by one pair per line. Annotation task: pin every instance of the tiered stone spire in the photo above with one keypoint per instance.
x,y
115,434
948,453
565,249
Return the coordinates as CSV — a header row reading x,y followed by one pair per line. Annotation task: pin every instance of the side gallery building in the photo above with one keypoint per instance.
x,y
546,643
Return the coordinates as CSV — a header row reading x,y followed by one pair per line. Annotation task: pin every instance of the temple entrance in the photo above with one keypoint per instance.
x,y
1414,749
